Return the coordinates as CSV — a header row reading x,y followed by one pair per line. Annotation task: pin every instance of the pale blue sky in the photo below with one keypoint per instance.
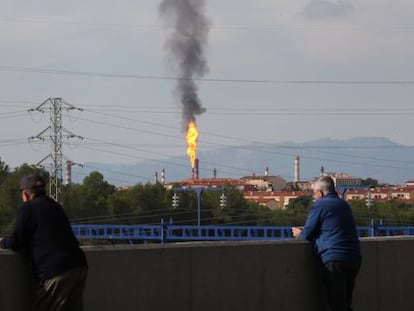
x,y
281,43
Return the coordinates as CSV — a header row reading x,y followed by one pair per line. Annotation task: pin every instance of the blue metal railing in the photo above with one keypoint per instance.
x,y
222,233
165,232
121,232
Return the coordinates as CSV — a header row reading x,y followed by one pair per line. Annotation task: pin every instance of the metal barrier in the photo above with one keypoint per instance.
x,y
121,232
165,232
225,233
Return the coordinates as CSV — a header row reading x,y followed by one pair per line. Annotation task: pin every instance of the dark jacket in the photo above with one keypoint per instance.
x,y
44,236
331,226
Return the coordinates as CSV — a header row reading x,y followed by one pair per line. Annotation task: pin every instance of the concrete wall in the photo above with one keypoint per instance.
x,y
223,276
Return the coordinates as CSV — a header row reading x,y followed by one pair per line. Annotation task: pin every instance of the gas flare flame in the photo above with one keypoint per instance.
x,y
191,138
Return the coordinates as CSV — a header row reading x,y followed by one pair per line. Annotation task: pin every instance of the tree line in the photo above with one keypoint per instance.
x,y
95,201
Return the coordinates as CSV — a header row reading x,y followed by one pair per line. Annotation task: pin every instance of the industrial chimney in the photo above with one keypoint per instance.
x,y
156,178
297,170
196,174
266,171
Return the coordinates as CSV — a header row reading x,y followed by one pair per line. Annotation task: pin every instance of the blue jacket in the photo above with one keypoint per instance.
x,y
331,226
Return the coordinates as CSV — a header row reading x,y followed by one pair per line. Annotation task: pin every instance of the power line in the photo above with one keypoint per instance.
x,y
243,112
241,147
213,27
227,173
276,111
124,174
168,162
159,125
260,148
128,128
12,103
13,115
249,81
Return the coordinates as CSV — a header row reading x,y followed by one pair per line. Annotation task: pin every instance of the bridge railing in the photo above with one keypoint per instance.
x,y
165,232
121,232
215,233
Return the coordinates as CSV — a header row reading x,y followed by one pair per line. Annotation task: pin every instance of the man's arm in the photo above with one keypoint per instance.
x,y
16,240
312,225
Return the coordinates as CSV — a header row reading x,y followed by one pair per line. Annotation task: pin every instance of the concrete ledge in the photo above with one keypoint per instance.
x,y
251,276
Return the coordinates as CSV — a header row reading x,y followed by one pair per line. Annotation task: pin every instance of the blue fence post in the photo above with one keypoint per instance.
x,y
375,223
162,231
372,229
199,191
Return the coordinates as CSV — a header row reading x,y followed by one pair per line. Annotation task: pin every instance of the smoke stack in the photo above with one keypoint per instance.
x,y
214,173
297,170
163,176
196,169
266,171
68,172
156,178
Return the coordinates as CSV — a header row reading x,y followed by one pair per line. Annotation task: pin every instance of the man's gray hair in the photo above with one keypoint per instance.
x,y
325,184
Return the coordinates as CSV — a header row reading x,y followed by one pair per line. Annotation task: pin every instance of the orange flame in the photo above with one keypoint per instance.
x,y
192,136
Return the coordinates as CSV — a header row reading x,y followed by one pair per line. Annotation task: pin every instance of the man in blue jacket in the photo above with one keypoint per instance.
x,y
331,227
44,236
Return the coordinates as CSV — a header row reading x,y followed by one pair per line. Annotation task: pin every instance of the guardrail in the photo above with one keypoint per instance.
x,y
134,232
165,232
226,233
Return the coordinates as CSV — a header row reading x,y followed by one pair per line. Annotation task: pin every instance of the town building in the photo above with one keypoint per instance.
x,y
273,199
265,183
208,183
409,183
381,194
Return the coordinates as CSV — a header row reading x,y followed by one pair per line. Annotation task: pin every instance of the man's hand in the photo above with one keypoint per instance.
x,y
296,231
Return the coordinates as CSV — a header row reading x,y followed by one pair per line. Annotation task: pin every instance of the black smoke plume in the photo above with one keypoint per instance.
x,y
185,46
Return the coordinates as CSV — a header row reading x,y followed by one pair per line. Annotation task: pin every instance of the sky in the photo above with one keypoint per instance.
x,y
278,71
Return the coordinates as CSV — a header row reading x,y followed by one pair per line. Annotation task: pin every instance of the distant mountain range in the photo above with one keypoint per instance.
x,y
365,157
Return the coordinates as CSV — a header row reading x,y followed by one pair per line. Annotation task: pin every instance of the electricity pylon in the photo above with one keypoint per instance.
x,y
56,132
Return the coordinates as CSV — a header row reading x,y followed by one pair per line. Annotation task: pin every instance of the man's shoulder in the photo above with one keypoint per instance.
x,y
44,199
40,202
330,200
